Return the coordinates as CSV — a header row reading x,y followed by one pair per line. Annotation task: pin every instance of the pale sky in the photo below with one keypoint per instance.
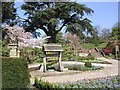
x,y
105,13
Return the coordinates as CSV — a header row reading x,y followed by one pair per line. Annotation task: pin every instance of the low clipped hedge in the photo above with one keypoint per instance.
x,y
107,83
15,73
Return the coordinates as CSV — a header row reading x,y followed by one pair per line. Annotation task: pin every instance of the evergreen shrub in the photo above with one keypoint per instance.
x,y
15,73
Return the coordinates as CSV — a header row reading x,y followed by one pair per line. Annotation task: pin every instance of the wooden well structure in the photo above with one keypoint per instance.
x,y
57,49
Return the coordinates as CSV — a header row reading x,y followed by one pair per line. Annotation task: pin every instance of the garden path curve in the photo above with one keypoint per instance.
x,y
109,70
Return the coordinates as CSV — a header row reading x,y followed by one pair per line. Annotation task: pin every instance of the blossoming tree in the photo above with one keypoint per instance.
x,y
18,35
73,41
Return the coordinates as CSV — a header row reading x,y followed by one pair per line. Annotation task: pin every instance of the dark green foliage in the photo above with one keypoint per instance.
x,y
32,54
88,64
90,57
3,43
38,53
95,38
52,17
36,81
5,52
42,85
15,73
59,38
115,35
67,53
8,12
5,49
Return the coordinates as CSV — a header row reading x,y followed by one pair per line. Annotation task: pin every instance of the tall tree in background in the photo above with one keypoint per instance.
x,y
95,36
8,12
8,15
52,17
115,35
74,42
105,35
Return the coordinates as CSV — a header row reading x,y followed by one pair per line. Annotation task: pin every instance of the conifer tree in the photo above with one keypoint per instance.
x,y
52,17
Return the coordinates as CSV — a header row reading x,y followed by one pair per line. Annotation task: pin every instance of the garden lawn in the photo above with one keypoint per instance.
x,y
91,59
95,61
92,46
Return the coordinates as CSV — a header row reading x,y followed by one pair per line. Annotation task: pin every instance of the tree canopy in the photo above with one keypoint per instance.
x,y
95,38
52,17
8,12
115,35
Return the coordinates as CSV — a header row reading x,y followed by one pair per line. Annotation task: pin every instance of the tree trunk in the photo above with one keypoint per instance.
x,y
53,37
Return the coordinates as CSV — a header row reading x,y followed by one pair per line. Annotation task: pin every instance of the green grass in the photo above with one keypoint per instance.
x,y
95,61
92,60
88,45
92,46
102,45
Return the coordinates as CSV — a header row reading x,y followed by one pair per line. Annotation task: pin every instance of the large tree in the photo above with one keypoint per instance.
x,y
115,35
52,17
105,34
8,12
74,42
95,36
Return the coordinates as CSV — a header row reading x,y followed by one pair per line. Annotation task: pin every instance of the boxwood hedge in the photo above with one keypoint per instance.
x,y
15,73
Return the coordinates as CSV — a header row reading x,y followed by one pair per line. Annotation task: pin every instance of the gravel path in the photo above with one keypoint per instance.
x,y
109,70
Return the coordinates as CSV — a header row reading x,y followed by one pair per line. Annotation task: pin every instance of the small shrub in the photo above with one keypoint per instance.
x,y
88,64
36,81
42,85
15,73
32,54
90,57
5,51
85,58
67,53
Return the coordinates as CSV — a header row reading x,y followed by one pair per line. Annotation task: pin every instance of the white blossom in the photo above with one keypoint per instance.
x,y
25,39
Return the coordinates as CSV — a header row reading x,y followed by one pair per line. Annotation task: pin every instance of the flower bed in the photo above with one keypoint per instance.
x,y
76,67
99,84
82,68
